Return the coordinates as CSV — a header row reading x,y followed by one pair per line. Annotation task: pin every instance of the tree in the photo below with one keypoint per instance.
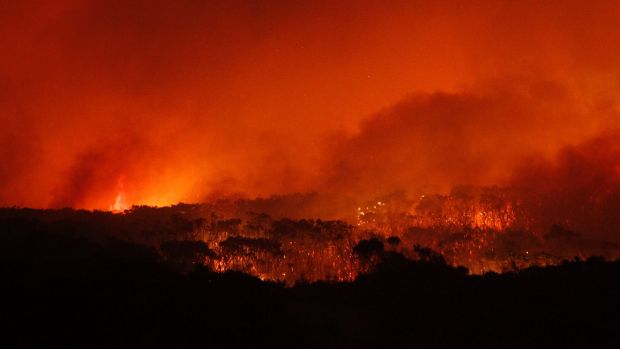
x,y
186,254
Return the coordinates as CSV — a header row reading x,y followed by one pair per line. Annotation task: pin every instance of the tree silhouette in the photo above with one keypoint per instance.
x,y
186,254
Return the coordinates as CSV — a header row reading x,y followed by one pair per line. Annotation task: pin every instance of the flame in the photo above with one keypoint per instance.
x,y
119,204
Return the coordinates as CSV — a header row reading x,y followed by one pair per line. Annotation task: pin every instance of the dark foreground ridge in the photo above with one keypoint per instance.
x,y
61,290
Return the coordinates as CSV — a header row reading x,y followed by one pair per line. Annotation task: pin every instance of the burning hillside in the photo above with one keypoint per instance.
x,y
481,229
408,128
347,172
488,230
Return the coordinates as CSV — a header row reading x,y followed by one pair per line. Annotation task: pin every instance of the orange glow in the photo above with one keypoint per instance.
x,y
193,101
119,204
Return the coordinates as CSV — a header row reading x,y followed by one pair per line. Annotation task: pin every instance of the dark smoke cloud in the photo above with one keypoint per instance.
x,y
188,100
430,143
101,171
579,188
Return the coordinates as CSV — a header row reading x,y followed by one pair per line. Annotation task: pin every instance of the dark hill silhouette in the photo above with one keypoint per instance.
x,y
60,289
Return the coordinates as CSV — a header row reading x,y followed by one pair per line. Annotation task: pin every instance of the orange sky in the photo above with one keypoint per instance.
x,y
182,100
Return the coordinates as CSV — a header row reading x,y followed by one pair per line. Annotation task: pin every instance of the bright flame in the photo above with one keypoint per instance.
x,y
119,204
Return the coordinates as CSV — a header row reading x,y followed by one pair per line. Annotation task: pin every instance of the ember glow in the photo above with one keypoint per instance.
x,y
473,121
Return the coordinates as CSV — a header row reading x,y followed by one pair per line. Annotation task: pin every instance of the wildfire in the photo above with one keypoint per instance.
x,y
119,204
483,230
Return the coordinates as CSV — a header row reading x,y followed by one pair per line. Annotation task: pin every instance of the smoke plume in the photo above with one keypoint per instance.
x,y
168,101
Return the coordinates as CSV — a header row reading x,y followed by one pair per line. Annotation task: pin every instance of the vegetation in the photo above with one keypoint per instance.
x,y
80,279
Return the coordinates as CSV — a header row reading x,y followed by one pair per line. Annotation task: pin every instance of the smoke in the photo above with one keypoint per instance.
x,y
579,188
430,143
194,100
100,172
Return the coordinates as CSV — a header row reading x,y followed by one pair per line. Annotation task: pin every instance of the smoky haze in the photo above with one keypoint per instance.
x,y
193,100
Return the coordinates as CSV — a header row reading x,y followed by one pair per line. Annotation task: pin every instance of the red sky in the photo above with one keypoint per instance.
x,y
173,101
